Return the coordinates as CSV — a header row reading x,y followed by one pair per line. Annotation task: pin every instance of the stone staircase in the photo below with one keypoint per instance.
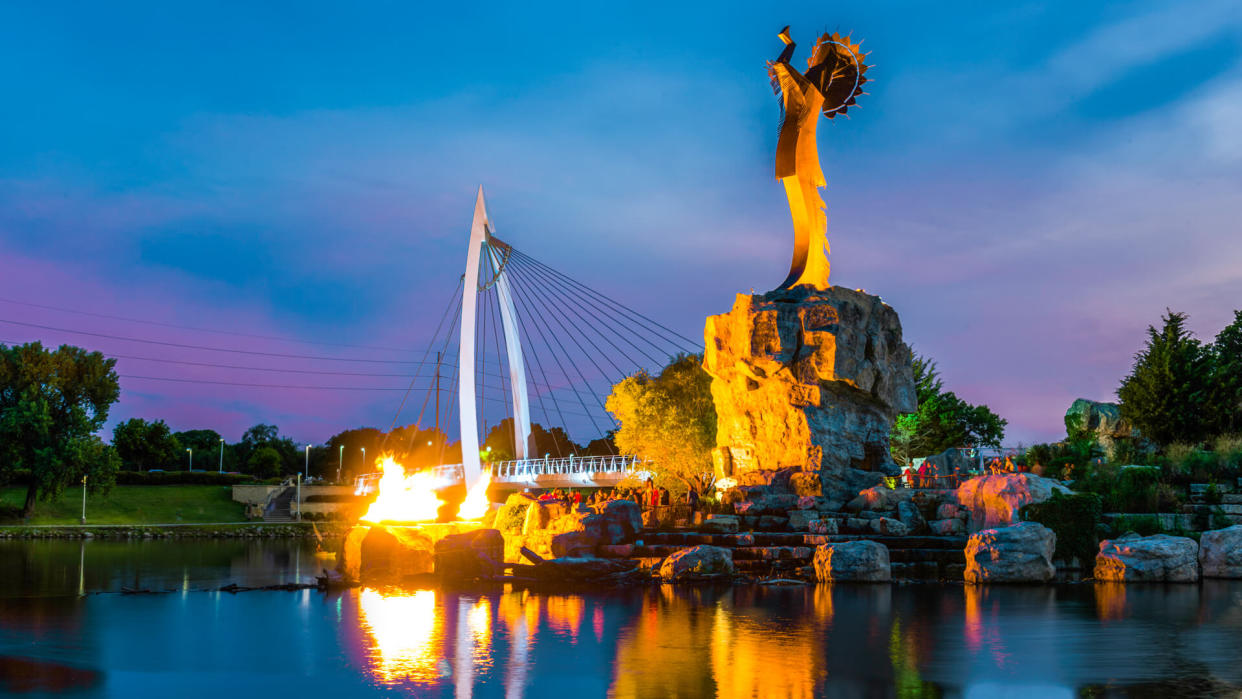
x,y
279,506
790,554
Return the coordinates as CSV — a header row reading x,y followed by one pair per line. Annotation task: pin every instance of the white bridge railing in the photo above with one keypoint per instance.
x,y
587,471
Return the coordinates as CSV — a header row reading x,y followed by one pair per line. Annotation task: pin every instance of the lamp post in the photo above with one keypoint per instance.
x,y
222,455
191,453
306,466
83,499
364,459
340,459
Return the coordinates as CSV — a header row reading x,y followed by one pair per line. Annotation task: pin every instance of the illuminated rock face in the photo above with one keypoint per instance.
x,y
391,552
1018,554
994,501
1220,553
810,379
852,561
1158,558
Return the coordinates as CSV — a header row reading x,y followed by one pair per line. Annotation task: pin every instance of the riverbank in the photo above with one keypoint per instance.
x,y
212,530
129,505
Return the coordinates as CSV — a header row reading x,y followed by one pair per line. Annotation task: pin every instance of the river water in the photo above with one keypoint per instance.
x,y
66,630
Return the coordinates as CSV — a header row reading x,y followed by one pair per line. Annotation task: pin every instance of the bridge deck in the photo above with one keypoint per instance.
x,y
571,472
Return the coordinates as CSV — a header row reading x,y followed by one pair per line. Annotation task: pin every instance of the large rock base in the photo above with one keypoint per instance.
x,y
1158,558
1018,554
392,552
809,379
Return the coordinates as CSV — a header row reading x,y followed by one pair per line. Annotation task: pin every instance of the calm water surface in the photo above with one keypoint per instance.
x,y
66,631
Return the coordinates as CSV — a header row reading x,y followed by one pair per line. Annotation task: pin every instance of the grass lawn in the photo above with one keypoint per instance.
x,y
132,504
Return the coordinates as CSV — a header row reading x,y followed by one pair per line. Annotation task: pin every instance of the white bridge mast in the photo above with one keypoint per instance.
x,y
484,247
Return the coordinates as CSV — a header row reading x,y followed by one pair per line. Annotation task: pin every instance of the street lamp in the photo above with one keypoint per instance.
x,y
222,455
306,466
83,499
364,459
191,453
340,458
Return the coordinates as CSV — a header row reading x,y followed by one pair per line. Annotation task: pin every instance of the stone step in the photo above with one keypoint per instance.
x,y
927,556
1232,499
685,539
926,570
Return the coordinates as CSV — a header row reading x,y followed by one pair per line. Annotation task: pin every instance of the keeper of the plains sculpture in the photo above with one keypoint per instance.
x,y
808,378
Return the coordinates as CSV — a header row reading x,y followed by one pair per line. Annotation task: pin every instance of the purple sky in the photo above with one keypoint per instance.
x,y
1029,186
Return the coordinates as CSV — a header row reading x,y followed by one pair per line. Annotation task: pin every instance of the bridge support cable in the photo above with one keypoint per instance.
x,y
582,312
655,326
541,323
550,307
620,325
435,386
455,297
586,320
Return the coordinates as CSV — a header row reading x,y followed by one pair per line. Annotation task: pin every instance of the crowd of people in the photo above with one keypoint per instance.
x,y
926,476
650,497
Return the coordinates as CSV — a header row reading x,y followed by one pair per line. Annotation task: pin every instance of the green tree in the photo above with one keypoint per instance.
x,y
143,445
207,451
265,462
668,419
1167,393
51,404
269,436
1227,377
943,420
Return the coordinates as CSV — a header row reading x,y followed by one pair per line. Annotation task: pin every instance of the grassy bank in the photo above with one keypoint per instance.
x,y
129,505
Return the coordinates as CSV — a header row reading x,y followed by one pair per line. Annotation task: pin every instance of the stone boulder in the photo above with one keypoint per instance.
x,y
808,379
697,563
994,501
852,561
950,462
470,555
877,499
799,519
577,534
511,516
1100,421
822,526
1158,558
947,527
720,524
1021,553
910,516
773,504
888,527
1220,552
623,520
393,552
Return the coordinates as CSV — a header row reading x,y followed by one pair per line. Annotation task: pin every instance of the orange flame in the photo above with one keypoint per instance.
x,y
412,498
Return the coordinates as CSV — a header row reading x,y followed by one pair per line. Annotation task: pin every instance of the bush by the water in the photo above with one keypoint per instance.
x,y
1072,518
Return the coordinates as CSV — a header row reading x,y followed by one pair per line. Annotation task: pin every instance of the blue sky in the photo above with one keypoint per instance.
x,y
1029,184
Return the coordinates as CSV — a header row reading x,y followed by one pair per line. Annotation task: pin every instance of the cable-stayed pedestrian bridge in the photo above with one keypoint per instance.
x,y
556,346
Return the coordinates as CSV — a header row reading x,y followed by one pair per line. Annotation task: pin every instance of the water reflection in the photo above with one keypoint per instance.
x,y
726,642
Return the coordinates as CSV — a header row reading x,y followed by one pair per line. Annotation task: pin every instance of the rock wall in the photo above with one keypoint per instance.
x,y
809,379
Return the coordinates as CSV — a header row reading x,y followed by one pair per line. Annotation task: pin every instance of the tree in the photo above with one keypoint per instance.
x,y
669,420
1166,394
269,436
1227,377
265,462
51,404
143,445
943,420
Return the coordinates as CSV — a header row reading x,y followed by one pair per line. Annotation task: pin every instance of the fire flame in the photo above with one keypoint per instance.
x,y
413,498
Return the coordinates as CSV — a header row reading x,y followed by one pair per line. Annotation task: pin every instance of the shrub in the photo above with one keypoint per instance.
x,y
1073,519
1212,496
511,518
1143,525
179,478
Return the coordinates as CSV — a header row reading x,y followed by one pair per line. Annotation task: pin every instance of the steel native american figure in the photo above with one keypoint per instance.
x,y
833,80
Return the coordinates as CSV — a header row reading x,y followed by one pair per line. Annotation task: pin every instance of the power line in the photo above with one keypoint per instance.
x,y
198,329
257,353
